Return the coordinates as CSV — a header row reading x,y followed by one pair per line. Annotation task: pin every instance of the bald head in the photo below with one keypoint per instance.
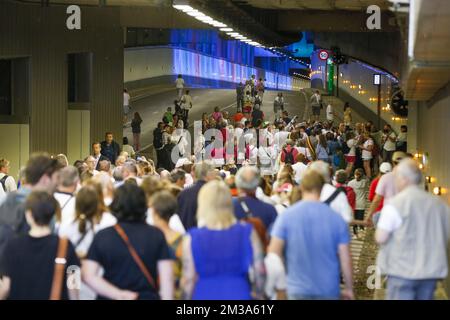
x,y
407,173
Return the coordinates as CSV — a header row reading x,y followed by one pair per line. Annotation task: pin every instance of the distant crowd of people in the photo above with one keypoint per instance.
x,y
257,210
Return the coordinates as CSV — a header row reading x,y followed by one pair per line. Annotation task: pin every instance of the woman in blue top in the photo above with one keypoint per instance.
x,y
322,149
218,255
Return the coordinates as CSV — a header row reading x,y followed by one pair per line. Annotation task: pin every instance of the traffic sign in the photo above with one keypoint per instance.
x,y
323,55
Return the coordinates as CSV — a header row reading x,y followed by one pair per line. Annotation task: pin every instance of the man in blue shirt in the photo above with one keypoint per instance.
x,y
247,181
314,242
109,148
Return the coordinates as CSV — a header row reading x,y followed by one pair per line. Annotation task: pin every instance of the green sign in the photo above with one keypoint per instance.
x,y
330,78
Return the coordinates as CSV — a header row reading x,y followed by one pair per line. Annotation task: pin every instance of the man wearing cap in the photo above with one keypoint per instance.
x,y
386,187
413,232
385,167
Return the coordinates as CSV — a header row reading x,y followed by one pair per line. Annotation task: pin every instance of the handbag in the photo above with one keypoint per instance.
x,y
136,257
58,273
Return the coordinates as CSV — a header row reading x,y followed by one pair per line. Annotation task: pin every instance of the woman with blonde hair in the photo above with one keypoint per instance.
x,y
219,255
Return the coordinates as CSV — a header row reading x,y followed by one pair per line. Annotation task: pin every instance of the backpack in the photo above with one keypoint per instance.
x,y
157,139
3,182
289,156
12,218
334,195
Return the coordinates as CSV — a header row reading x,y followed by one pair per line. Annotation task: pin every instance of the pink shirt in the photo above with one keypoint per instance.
x,y
217,115
386,186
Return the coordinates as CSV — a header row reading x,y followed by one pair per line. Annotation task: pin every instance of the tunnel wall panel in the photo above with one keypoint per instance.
x,y
40,33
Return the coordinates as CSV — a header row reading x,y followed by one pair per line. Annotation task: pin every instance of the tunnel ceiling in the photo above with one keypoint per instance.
x,y
315,4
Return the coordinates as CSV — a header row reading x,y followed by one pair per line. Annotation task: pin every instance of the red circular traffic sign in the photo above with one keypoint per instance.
x,y
323,55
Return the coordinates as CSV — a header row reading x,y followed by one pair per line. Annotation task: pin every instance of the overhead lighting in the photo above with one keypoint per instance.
x,y
226,29
217,24
196,13
183,8
232,33
204,18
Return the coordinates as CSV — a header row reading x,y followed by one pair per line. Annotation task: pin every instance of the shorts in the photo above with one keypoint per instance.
x,y
350,159
316,110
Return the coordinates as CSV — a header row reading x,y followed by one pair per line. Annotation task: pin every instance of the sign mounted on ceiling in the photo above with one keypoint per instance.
x,y
377,79
323,55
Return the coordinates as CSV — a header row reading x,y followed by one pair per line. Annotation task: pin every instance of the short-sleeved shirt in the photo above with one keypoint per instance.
x,y
373,187
360,188
390,219
367,155
386,186
179,83
10,183
352,145
29,262
126,99
389,145
109,250
312,233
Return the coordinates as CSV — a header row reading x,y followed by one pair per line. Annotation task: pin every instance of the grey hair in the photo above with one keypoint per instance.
x,y
118,173
202,170
68,176
248,178
323,168
130,166
409,170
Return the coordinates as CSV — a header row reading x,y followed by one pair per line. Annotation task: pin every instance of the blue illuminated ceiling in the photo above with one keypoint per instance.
x,y
303,48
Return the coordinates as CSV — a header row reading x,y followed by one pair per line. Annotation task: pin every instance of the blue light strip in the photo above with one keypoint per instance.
x,y
190,63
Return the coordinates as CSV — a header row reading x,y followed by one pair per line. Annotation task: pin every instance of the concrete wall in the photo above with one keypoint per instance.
x,y
433,132
40,34
14,146
356,87
382,49
78,134
143,63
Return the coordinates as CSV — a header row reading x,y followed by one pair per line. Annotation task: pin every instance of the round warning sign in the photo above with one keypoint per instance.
x,y
323,55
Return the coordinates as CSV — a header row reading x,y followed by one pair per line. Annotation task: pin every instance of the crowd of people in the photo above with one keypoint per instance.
x,y
255,210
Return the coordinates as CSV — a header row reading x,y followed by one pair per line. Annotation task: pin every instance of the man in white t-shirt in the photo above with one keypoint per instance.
x,y
186,105
7,183
299,168
389,140
330,114
65,194
179,84
330,195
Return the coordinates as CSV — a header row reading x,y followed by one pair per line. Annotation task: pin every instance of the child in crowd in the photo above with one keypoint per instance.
x,y
359,185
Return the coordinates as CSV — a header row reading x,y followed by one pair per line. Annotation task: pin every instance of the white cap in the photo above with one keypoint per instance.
x,y
181,162
385,167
